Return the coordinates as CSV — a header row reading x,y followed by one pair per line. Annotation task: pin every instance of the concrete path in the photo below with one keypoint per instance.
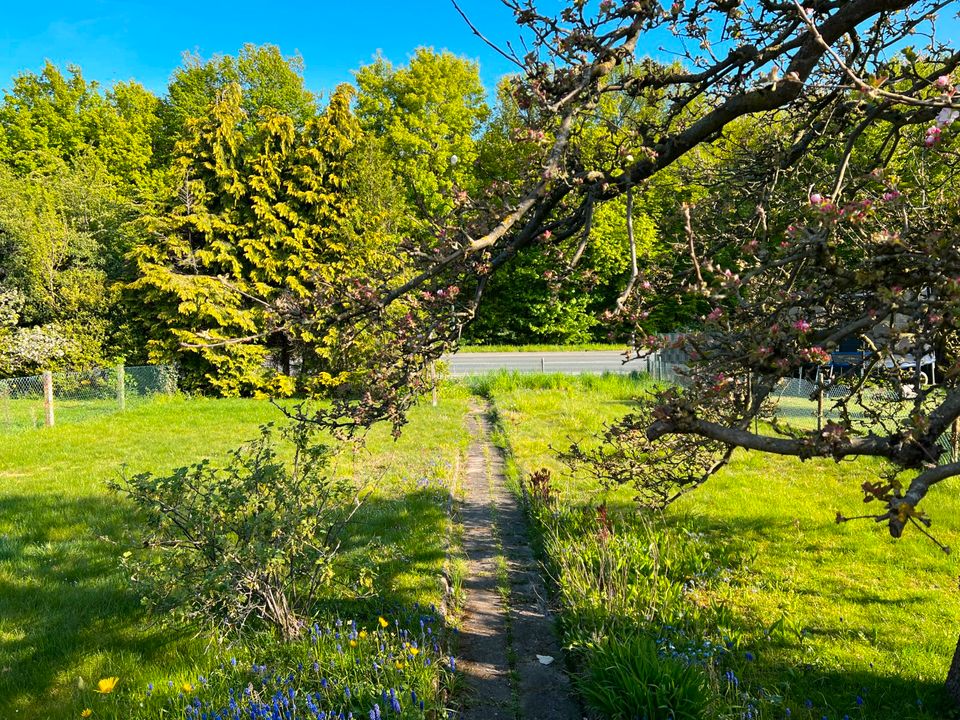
x,y
507,623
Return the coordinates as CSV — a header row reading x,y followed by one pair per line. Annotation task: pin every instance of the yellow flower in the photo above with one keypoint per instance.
x,y
106,685
86,713
383,623
353,643
363,634
187,687
414,651
399,665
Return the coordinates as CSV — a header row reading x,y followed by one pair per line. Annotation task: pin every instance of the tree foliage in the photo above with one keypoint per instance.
x,y
427,114
271,215
265,77
777,277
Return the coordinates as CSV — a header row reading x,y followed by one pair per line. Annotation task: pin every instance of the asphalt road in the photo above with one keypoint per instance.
x,y
569,363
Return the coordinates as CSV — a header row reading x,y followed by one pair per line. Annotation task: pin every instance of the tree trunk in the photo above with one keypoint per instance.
x,y
285,356
953,678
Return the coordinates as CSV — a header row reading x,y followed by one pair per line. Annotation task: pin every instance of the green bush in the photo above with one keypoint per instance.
x,y
625,679
255,539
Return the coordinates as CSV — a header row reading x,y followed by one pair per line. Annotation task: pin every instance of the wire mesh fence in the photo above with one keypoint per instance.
x,y
68,397
800,403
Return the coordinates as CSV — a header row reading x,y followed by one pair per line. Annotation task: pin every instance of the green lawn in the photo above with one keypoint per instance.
x,y
812,611
541,348
828,613
29,414
65,610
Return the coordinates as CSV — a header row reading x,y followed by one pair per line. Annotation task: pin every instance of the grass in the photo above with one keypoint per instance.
x,y
827,620
540,348
66,612
28,414
822,618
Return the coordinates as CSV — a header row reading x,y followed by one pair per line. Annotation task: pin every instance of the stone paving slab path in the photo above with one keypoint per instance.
x,y
507,622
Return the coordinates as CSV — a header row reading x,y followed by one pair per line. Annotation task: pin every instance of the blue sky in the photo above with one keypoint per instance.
x,y
115,40
144,39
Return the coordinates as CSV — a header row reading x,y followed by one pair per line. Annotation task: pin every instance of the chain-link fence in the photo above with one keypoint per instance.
x,y
800,403
53,398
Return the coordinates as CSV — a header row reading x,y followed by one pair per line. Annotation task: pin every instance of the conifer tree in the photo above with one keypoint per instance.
x,y
260,219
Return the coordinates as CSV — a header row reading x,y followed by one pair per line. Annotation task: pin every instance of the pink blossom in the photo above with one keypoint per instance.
x,y
547,235
816,199
891,195
801,325
815,354
715,314
946,117
943,81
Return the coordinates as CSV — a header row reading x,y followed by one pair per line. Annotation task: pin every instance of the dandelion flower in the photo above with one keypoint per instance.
x,y
363,634
353,643
187,687
86,713
383,623
106,685
413,651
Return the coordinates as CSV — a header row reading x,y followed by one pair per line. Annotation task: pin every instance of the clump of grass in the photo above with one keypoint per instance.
x,y
626,678
624,582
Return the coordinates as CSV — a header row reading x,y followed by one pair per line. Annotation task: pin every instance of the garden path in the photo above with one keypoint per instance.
x,y
507,632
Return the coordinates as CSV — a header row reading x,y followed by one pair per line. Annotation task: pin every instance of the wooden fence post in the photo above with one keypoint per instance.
x,y
48,397
121,388
819,408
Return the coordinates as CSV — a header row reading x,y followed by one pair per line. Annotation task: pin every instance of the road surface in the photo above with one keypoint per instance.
x,y
569,363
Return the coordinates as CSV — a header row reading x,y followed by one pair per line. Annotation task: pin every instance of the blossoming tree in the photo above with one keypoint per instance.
x,y
833,222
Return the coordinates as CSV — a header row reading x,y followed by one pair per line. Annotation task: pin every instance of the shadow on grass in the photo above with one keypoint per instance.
x,y
405,535
820,692
62,597
66,609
